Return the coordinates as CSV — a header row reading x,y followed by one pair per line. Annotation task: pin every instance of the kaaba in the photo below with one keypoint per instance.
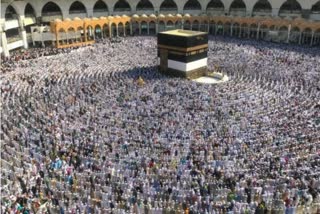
x,y
183,53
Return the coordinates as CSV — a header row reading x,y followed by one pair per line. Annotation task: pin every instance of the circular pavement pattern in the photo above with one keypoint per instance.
x,y
170,139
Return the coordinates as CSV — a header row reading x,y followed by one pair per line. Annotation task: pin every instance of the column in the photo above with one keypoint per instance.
x,y
148,28
94,34
275,12
41,33
90,12
22,32
300,37
240,31
180,7
24,38
231,30
117,31
62,37
312,36
131,28
156,9
57,38
139,28
258,30
85,33
289,32
4,43
67,35
33,43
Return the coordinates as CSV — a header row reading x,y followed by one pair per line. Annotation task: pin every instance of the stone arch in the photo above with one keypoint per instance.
x,y
11,13
144,28
90,33
71,29
316,8
98,31
219,28
306,36
283,33
204,26
283,28
29,11
135,27
100,7
152,28
71,35
272,27
263,31
253,30
62,36
212,27
290,7
127,28
195,25
80,34
192,5
144,5
262,8
121,30
238,7
295,29
244,30
77,7
51,8
307,30
122,5
168,5
294,35
105,30
170,25
161,26
236,29
316,39
113,30
178,24
227,28
187,25
215,5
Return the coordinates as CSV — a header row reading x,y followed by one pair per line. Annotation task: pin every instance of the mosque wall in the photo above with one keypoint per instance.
x,y
22,15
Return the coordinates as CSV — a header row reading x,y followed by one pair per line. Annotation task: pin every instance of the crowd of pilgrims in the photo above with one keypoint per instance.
x,y
8,63
98,130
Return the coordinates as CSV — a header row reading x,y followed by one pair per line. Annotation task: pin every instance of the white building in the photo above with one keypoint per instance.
x,y
18,16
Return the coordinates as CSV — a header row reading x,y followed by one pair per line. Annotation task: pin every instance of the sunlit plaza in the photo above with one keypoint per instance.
x,y
91,124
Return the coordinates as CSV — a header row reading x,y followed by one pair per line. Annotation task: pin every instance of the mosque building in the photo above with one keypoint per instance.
x,y
24,23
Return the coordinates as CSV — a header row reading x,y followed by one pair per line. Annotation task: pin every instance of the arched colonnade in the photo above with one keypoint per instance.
x,y
87,30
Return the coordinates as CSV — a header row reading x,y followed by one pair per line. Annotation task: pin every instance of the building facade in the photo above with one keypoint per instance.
x,y
19,16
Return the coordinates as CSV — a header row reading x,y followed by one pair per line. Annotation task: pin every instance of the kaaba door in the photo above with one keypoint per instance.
x,y
163,60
